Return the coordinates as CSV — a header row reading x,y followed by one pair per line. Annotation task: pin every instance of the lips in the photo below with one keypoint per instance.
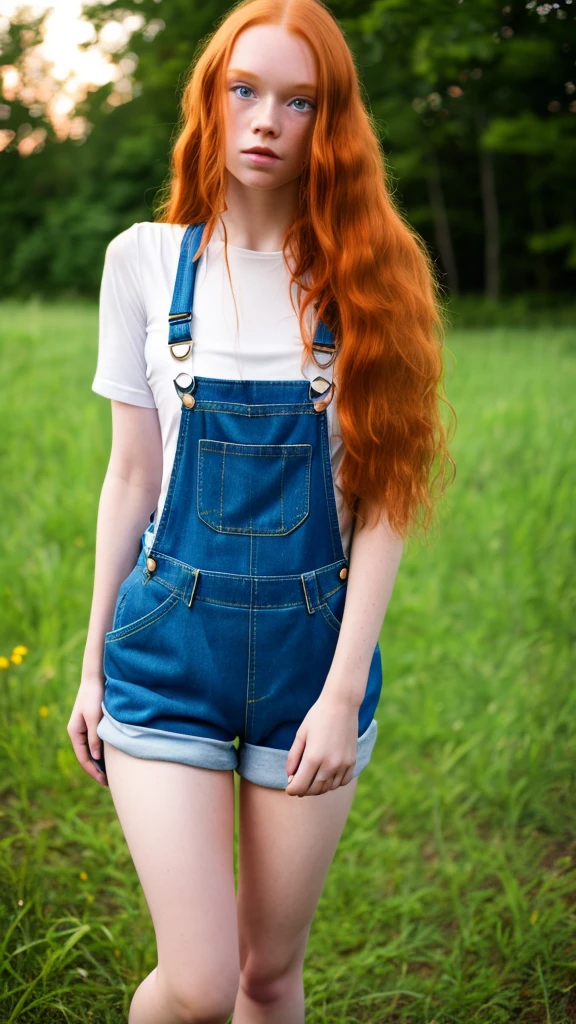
x,y
263,151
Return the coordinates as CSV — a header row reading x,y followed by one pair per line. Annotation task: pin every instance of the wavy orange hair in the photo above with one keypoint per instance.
x,y
353,256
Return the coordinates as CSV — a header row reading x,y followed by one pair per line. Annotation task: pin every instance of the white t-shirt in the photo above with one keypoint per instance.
x,y
135,364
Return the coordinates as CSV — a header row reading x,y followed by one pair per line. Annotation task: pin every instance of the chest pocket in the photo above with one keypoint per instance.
x,y
254,489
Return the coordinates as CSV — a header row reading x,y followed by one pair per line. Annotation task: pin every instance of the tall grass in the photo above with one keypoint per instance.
x,y
451,896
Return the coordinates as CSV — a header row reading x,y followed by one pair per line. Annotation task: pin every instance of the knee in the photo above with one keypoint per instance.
x,y
269,981
204,1002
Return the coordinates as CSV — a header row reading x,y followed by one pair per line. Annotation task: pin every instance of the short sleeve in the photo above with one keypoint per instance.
x,y
121,365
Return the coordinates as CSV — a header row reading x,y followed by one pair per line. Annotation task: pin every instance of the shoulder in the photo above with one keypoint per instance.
x,y
144,239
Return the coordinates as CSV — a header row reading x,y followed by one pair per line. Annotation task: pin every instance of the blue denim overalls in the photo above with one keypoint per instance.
x,y
226,628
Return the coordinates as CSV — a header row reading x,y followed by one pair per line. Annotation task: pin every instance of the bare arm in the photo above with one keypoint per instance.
x,y
129,494
373,566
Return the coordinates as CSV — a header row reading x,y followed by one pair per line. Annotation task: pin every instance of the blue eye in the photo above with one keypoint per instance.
x,y
311,107
235,87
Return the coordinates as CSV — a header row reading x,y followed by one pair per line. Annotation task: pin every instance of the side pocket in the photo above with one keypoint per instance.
x,y
140,607
332,608
144,621
124,589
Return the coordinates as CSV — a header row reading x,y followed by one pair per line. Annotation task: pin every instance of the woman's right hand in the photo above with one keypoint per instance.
x,y
85,716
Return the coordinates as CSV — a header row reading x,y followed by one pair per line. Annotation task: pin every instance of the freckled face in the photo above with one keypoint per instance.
x,y
269,104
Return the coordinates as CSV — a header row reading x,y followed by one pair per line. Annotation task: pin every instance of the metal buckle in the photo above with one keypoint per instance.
x,y
324,348
322,396
180,318
178,345
185,385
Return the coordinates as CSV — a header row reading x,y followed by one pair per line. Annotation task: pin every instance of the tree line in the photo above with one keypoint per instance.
x,y
474,102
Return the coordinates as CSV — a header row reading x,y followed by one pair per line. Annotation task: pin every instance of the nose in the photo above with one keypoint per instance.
x,y
264,120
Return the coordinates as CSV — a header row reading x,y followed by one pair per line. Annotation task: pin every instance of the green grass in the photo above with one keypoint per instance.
x,y
451,896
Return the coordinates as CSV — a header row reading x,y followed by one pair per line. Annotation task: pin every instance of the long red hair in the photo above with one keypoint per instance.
x,y
352,255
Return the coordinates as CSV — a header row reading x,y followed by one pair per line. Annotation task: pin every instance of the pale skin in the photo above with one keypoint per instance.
x,y
220,952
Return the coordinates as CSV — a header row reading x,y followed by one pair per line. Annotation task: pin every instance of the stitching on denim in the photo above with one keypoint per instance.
x,y
251,533
170,586
259,405
284,577
326,468
329,593
253,649
330,617
182,566
240,604
227,447
174,475
204,406
282,492
275,382
222,486
124,596
181,593
335,532
143,622
249,653
222,448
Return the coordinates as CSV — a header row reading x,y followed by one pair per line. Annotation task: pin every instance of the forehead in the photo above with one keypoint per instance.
x,y
271,52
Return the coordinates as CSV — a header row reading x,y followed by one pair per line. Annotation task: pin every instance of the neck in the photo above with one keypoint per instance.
x,y
259,218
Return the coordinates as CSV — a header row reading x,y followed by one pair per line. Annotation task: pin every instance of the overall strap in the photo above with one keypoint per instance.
x,y
180,316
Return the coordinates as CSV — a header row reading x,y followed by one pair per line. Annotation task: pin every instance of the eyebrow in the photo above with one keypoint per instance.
x,y
300,87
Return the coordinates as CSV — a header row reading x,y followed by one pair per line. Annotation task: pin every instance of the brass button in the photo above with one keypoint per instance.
x,y
343,572
150,564
188,401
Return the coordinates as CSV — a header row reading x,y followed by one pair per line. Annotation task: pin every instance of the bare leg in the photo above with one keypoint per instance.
x,y
178,822
286,847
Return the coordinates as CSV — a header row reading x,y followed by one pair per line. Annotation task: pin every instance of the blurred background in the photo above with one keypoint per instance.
x,y
451,896
475,103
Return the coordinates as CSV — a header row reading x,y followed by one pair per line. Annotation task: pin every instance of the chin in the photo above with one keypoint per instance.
x,y
263,181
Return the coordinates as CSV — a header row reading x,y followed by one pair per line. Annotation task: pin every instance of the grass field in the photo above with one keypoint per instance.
x,y
452,895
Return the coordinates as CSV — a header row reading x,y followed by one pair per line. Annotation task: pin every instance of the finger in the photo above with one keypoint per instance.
x,y
321,784
327,785
295,753
336,780
89,767
304,777
78,737
323,787
348,776
94,741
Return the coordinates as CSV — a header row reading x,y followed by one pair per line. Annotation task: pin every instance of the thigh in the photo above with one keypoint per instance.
x,y
178,821
286,846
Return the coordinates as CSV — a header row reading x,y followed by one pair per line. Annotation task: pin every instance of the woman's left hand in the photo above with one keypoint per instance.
x,y
323,754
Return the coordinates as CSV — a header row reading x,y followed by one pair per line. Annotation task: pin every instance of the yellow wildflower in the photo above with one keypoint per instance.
x,y
44,711
83,876
16,658
20,649
4,663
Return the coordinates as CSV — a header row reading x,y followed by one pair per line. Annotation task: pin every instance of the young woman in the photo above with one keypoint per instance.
x,y
272,349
